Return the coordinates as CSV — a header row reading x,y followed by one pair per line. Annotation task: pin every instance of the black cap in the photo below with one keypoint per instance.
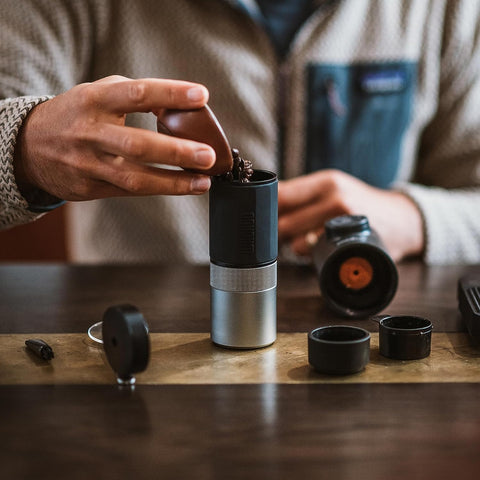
x,y
125,340
338,349
345,225
405,337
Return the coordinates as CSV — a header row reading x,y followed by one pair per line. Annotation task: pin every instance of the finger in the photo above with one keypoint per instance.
x,y
307,219
135,179
91,189
145,95
144,146
300,191
112,79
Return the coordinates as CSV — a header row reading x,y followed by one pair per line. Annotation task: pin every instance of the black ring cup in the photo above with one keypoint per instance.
x,y
338,349
405,337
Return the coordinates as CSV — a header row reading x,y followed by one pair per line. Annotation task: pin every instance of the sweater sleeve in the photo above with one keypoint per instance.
x,y
451,223
447,188
45,49
14,209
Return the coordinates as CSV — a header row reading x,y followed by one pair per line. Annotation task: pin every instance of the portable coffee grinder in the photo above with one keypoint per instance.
x,y
243,238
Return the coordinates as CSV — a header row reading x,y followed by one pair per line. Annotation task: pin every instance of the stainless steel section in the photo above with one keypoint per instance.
x,y
243,279
243,320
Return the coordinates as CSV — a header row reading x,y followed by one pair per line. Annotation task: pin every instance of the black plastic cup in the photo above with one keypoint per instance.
x,y
338,349
405,337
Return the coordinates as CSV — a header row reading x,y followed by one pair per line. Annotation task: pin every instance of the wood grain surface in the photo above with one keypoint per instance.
x,y
264,431
68,299
191,358
203,412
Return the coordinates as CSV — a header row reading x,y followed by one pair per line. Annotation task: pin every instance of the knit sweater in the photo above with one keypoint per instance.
x,y
388,91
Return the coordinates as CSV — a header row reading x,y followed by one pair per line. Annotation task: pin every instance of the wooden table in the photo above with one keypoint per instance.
x,y
203,412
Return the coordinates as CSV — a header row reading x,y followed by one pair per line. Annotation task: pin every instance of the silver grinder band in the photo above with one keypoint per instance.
x,y
243,306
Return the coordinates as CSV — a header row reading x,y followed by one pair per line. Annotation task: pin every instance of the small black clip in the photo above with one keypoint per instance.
x,y
40,348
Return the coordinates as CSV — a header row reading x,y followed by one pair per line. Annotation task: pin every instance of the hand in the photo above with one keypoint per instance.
x,y
305,203
76,145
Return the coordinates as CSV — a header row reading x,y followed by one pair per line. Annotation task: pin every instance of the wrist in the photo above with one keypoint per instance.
x,y
20,158
38,200
413,225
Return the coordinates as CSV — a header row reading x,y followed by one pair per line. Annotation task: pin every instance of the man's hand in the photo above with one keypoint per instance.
x,y
76,146
306,203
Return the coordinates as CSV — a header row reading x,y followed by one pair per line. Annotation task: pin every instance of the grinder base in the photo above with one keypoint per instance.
x,y
243,320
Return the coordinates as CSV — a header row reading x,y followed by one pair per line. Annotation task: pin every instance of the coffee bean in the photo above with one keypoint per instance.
x,y
242,169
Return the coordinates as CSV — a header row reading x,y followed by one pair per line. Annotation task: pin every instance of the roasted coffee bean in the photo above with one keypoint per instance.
x,y
242,169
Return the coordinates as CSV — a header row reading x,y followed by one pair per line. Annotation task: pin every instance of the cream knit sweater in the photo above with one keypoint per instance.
x,y
47,46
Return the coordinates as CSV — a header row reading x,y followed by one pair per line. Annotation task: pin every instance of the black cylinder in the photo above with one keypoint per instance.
x,y
357,276
338,349
405,337
243,221
243,261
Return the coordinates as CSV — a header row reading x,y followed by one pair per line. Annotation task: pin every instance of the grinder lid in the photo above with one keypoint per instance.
x,y
344,225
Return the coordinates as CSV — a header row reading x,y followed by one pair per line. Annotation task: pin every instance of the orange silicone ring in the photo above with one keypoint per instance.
x,y
356,273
